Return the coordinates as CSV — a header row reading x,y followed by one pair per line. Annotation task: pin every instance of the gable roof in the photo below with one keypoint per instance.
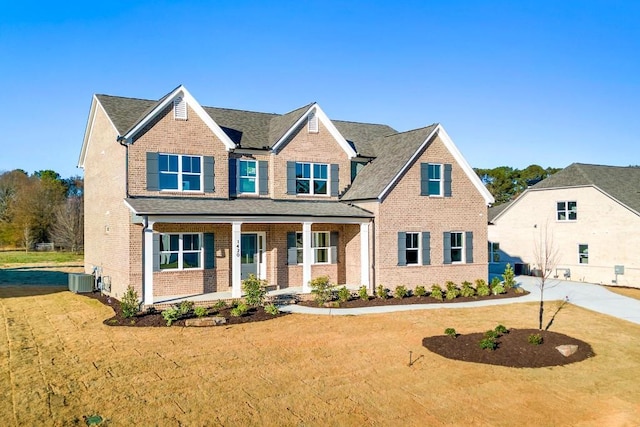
x,y
620,183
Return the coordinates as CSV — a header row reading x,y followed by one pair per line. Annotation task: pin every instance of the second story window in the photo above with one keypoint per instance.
x,y
179,172
247,175
311,178
567,211
435,179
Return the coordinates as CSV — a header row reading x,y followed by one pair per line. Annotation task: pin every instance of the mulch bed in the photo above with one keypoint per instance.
x,y
514,349
145,319
373,301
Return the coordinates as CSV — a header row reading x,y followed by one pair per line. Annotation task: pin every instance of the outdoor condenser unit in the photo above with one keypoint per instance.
x,y
81,283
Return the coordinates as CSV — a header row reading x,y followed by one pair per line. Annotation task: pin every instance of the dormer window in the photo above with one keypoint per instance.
x,y
312,122
180,108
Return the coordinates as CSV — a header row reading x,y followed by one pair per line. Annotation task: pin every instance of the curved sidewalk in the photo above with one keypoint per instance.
x,y
586,295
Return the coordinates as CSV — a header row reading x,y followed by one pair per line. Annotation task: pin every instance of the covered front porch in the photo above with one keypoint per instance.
x,y
286,245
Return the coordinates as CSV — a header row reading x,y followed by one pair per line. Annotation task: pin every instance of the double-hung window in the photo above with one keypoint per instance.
x,y
412,248
583,254
247,176
320,247
180,172
494,252
435,179
457,246
567,211
180,251
312,178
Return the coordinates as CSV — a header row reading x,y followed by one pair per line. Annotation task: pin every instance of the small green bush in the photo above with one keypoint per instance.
x,y
220,304
344,294
498,289
271,309
400,292
363,293
501,329
130,304
488,344
491,334
171,315
322,289
467,289
535,339
482,289
382,292
185,307
452,291
436,292
509,277
420,291
254,290
200,311
450,332
240,309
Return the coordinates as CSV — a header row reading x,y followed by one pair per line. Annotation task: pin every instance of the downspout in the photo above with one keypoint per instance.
x,y
125,143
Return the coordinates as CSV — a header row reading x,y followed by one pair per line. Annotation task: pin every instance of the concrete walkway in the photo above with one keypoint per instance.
x,y
586,295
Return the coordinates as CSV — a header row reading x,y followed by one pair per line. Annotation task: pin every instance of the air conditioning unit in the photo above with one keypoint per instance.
x,y
81,283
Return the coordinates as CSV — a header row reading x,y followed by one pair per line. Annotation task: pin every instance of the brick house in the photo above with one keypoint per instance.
x,y
182,199
592,215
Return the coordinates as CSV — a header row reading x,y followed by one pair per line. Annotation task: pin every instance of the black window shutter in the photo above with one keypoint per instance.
x,y
232,177
469,247
209,251
424,179
402,248
263,177
446,243
291,177
447,180
156,252
335,179
208,168
426,248
333,238
292,250
152,172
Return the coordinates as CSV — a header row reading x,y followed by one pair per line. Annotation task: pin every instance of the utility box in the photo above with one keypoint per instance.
x,y
618,269
81,283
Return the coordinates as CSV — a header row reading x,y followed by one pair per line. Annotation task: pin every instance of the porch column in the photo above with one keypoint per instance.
x,y
147,285
307,256
236,267
364,255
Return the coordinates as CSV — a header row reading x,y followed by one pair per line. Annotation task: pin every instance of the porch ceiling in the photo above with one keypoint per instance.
x,y
181,206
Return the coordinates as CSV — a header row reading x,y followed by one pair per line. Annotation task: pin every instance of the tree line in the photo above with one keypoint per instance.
x,y
41,207
506,183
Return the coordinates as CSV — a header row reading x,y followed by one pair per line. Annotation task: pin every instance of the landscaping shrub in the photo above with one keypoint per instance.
x,y
420,291
400,292
491,334
509,277
488,344
171,315
498,289
501,329
436,292
130,304
535,339
452,291
363,293
200,311
220,304
271,309
482,289
239,309
382,292
185,307
254,290
467,289
344,294
322,289
450,332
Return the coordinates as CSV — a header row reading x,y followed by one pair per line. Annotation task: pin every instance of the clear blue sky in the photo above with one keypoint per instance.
x,y
513,82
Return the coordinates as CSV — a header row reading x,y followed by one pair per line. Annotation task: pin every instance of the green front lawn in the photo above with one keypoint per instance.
x,y
21,257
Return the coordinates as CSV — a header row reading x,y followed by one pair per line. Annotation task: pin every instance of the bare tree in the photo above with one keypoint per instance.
x,y
68,229
545,255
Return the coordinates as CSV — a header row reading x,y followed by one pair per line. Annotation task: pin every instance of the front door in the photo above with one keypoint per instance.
x,y
252,255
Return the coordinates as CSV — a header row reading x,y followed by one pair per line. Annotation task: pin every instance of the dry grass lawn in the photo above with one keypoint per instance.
x,y
627,292
60,363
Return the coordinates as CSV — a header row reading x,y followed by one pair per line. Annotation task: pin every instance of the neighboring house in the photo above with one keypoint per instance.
x,y
591,213
182,199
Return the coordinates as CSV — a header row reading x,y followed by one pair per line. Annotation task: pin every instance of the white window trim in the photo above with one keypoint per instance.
x,y
580,254
462,248
181,174
419,249
238,177
181,252
493,252
567,211
440,180
315,248
311,179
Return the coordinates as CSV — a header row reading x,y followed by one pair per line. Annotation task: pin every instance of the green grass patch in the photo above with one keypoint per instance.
x,y
21,257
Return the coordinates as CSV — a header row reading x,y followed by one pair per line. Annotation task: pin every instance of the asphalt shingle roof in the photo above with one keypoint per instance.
x,y
244,207
621,183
